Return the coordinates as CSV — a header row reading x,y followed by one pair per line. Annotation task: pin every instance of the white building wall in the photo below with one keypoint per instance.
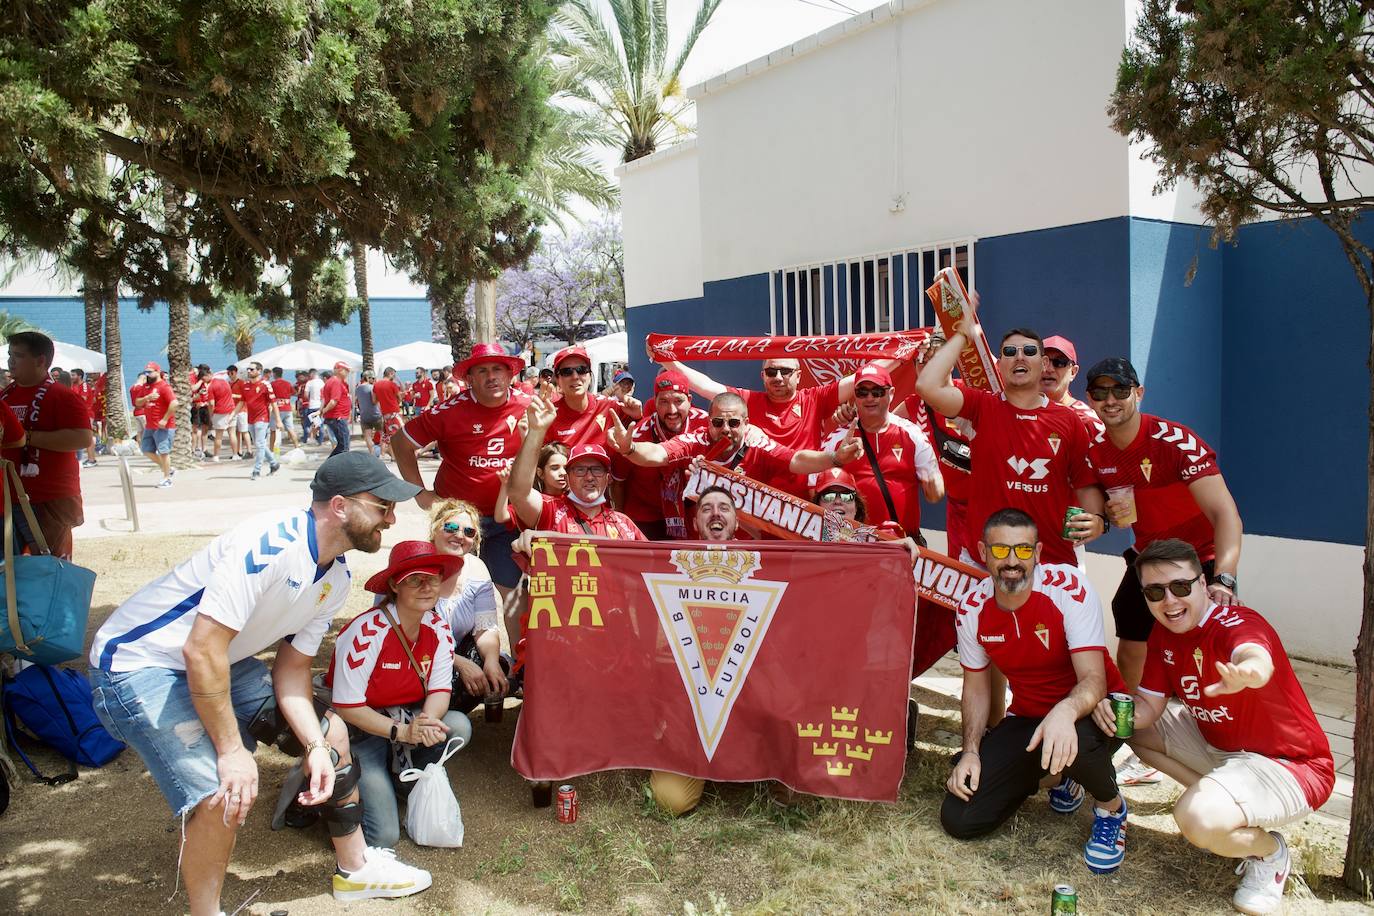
x,y
661,219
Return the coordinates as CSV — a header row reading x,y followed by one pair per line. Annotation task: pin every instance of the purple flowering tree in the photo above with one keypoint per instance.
x,y
568,281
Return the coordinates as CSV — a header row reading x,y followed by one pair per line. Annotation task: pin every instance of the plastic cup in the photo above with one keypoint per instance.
x,y
1127,517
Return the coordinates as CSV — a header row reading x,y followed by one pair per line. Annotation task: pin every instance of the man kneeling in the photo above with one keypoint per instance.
x,y
1042,626
1244,741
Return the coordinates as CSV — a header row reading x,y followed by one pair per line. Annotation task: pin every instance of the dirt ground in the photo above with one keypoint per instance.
x,y
107,843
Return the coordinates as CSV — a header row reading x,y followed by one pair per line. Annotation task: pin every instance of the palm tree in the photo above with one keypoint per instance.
x,y
14,324
179,318
239,323
359,254
628,75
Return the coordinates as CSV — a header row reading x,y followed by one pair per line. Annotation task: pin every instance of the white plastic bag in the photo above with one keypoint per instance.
x,y
295,456
432,814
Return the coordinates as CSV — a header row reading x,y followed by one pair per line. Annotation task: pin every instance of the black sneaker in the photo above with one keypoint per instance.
x,y
275,469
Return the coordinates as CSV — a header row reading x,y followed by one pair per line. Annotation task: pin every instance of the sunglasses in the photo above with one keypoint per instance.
x,y
385,507
570,371
588,470
775,371
1060,362
1002,551
1181,588
836,497
1028,349
454,528
1120,392
718,422
870,392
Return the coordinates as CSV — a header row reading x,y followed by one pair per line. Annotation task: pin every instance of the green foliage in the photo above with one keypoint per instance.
x,y
239,322
13,324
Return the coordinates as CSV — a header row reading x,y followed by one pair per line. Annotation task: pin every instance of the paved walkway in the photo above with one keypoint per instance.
x,y
211,497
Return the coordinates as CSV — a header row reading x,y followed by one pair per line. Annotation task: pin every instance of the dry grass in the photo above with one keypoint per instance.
x,y
105,843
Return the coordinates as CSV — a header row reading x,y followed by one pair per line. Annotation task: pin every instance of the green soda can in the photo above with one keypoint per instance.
x,y
1069,513
1123,707
1063,900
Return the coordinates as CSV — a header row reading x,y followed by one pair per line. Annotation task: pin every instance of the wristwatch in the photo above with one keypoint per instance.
x,y
1227,580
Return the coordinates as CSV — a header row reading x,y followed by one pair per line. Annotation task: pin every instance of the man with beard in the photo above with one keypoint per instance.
x,y
1041,625
1061,368
173,675
729,439
582,414
477,435
652,497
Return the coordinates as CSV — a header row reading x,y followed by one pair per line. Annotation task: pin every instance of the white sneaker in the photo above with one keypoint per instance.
x,y
382,876
166,482
1262,882
1136,772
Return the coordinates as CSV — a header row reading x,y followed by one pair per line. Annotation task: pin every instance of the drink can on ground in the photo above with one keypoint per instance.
x,y
566,807
1063,900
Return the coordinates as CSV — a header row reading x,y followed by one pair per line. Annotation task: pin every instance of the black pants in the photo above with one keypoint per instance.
x,y
1011,774
460,699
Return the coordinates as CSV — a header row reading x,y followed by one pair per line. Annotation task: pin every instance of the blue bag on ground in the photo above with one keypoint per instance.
x,y
47,599
55,704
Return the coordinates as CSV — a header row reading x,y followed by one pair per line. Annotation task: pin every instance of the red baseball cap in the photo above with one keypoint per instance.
x,y
409,558
1063,345
569,353
341,366
671,380
874,373
152,367
589,451
834,477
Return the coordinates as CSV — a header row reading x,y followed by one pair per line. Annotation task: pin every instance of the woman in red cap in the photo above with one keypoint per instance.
x,y
391,676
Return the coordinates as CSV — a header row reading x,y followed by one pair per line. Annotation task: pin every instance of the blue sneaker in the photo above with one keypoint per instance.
x,y
1106,848
1067,797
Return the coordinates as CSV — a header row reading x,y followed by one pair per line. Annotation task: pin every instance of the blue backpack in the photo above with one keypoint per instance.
x,y
55,705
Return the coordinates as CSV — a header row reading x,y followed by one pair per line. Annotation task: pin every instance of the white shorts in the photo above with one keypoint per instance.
x,y
1264,789
241,424
220,420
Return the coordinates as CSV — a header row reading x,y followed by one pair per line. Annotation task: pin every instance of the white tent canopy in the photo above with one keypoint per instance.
x,y
70,356
407,357
304,354
605,353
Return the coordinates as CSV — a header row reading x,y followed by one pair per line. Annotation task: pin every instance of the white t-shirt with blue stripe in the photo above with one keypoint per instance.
x,y
261,579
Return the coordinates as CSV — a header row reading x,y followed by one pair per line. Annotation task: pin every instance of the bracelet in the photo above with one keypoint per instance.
x,y
1106,524
317,744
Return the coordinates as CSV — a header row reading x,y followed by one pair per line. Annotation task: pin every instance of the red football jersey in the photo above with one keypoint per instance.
x,y
795,424
370,667
86,392
1275,720
905,457
137,391
1091,423
475,442
1033,645
1032,459
336,390
155,408
1160,463
762,459
220,396
563,515
422,390
646,489
588,427
281,393
387,395
256,399
59,473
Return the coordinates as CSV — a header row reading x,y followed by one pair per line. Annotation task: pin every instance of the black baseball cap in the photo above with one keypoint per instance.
x,y
350,473
1116,368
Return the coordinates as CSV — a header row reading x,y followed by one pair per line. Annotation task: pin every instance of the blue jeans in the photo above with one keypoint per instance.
x,y
150,710
496,552
379,788
260,453
338,429
307,429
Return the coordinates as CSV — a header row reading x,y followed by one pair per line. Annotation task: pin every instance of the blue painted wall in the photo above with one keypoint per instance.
x,y
144,334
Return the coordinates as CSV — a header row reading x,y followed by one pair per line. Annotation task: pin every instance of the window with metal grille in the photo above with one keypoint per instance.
x,y
868,294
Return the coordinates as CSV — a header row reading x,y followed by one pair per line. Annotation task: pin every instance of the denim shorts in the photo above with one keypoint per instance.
x,y
150,710
496,552
157,441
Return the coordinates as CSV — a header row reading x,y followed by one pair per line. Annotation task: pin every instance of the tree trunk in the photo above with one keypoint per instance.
x,y
91,295
484,312
179,322
302,272
1359,852
116,418
457,328
437,333
364,307
243,348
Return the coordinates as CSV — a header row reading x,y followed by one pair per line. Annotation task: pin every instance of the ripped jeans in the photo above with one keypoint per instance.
x,y
150,710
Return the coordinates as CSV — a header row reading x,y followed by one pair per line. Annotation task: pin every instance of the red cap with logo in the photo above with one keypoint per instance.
x,y
835,478
589,450
874,373
671,380
569,353
1063,345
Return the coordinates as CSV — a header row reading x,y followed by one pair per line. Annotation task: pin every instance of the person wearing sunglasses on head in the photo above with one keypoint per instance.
x,y
1041,625
1029,453
1174,489
728,438
1061,368
582,414
1242,739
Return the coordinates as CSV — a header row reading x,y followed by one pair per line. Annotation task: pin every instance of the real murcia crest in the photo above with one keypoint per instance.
x,y
511,421
1146,468
1054,442
1042,633
897,450
715,616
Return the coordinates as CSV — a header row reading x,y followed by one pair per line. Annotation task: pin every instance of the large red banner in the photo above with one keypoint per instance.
x,y
719,661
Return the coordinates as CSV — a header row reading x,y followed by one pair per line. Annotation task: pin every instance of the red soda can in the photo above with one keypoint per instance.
x,y
566,807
